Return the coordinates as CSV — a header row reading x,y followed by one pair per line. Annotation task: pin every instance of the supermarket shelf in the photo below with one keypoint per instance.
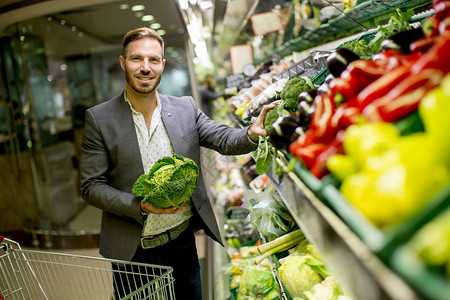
x,y
365,16
361,273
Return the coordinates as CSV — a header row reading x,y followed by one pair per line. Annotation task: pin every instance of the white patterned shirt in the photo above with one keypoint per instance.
x,y
153,145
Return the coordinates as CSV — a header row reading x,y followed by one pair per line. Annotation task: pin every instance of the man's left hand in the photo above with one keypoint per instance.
x,y
257,128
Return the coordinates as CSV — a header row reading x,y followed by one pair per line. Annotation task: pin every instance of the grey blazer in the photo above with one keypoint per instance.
x,y
111,162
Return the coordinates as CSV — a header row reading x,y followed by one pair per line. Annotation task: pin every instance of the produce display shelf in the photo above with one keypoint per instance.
x,y
360,272
368,14
430,285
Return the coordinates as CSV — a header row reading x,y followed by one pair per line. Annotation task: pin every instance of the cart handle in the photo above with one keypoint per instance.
x,y
1,240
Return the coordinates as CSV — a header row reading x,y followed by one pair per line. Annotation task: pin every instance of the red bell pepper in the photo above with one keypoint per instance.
x,y
444,26
344,116
356,77
430,27
307,148
442,10
321,118
436,57
319,168
382,86
404,99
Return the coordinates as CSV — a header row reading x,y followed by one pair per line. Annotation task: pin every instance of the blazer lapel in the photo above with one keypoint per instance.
x,y
171,124
128,137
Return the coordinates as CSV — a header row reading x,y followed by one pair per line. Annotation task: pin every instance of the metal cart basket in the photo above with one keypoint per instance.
x,y
33,274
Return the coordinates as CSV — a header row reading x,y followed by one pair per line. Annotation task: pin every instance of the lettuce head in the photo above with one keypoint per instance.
x,y
170,182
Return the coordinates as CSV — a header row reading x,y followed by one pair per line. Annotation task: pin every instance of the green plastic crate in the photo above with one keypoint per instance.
x,y
319,78
343,22
428,284
383,242
367,10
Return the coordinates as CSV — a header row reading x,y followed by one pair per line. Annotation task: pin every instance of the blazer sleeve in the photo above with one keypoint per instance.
x,y
221,137
95,185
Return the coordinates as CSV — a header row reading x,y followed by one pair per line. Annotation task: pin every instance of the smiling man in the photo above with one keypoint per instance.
x,y
123,137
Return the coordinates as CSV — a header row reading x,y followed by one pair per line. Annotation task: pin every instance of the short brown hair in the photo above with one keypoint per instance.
x,y
141,33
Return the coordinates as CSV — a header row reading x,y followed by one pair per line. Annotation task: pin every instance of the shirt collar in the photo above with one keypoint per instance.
x,y
158,101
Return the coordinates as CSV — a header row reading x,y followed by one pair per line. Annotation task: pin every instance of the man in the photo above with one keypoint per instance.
x,y
122,139
207,94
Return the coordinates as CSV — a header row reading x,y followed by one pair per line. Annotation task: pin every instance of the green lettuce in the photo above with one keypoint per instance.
x,y
170,182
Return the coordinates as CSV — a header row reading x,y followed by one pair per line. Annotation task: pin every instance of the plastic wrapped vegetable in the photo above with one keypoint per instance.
x,y
297,274
328,289
269,214
257,283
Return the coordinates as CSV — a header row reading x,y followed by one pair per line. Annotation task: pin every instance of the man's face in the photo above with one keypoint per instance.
x,y
143,65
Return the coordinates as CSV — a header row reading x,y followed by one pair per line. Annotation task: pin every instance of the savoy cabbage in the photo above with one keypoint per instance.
x,y
170,182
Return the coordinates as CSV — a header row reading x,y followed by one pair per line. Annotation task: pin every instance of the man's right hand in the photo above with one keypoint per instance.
x,y
148,208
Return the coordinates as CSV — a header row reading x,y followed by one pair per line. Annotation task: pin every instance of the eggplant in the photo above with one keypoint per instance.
x,y
323,88
338,61
307,96
285,130
402,40
329,78
305,110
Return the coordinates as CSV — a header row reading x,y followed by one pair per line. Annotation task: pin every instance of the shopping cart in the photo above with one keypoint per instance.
x,y
34,274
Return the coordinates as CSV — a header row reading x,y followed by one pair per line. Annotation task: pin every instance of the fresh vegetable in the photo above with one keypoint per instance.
x,y
434,110
360,48
394,175
397,23
328,289
382,86
339,60
404,98
432,243
402,40
285,130
270,215
170,182
273,114
301,271
321,119
263,155
292,89
282,243
257,283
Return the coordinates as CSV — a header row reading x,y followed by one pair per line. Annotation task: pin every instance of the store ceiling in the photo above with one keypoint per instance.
x,y
89,24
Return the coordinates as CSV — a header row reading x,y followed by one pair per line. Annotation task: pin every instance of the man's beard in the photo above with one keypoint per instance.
x,y
145,88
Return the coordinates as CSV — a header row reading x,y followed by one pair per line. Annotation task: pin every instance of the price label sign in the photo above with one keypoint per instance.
x,y
266,22
240,56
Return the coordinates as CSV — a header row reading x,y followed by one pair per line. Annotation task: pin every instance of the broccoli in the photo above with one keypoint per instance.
x,y
292,89
274,114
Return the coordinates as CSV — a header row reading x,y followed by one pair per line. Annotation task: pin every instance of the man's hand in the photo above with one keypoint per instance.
x,y
148,208
257,128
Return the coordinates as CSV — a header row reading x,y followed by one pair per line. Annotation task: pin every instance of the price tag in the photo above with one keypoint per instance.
x,y
267,22
240,56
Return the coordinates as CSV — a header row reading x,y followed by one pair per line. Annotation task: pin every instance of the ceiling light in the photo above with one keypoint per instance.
x,y
155,26
137,7
124,6
74,28
147,18
161,32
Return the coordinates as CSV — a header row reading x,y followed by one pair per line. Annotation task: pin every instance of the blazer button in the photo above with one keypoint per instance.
x,y
169,114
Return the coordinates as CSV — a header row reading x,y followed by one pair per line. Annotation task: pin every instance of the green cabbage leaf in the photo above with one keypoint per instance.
x,y
170,182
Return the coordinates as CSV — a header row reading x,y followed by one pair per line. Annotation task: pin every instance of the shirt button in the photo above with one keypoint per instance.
x,y
169,114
